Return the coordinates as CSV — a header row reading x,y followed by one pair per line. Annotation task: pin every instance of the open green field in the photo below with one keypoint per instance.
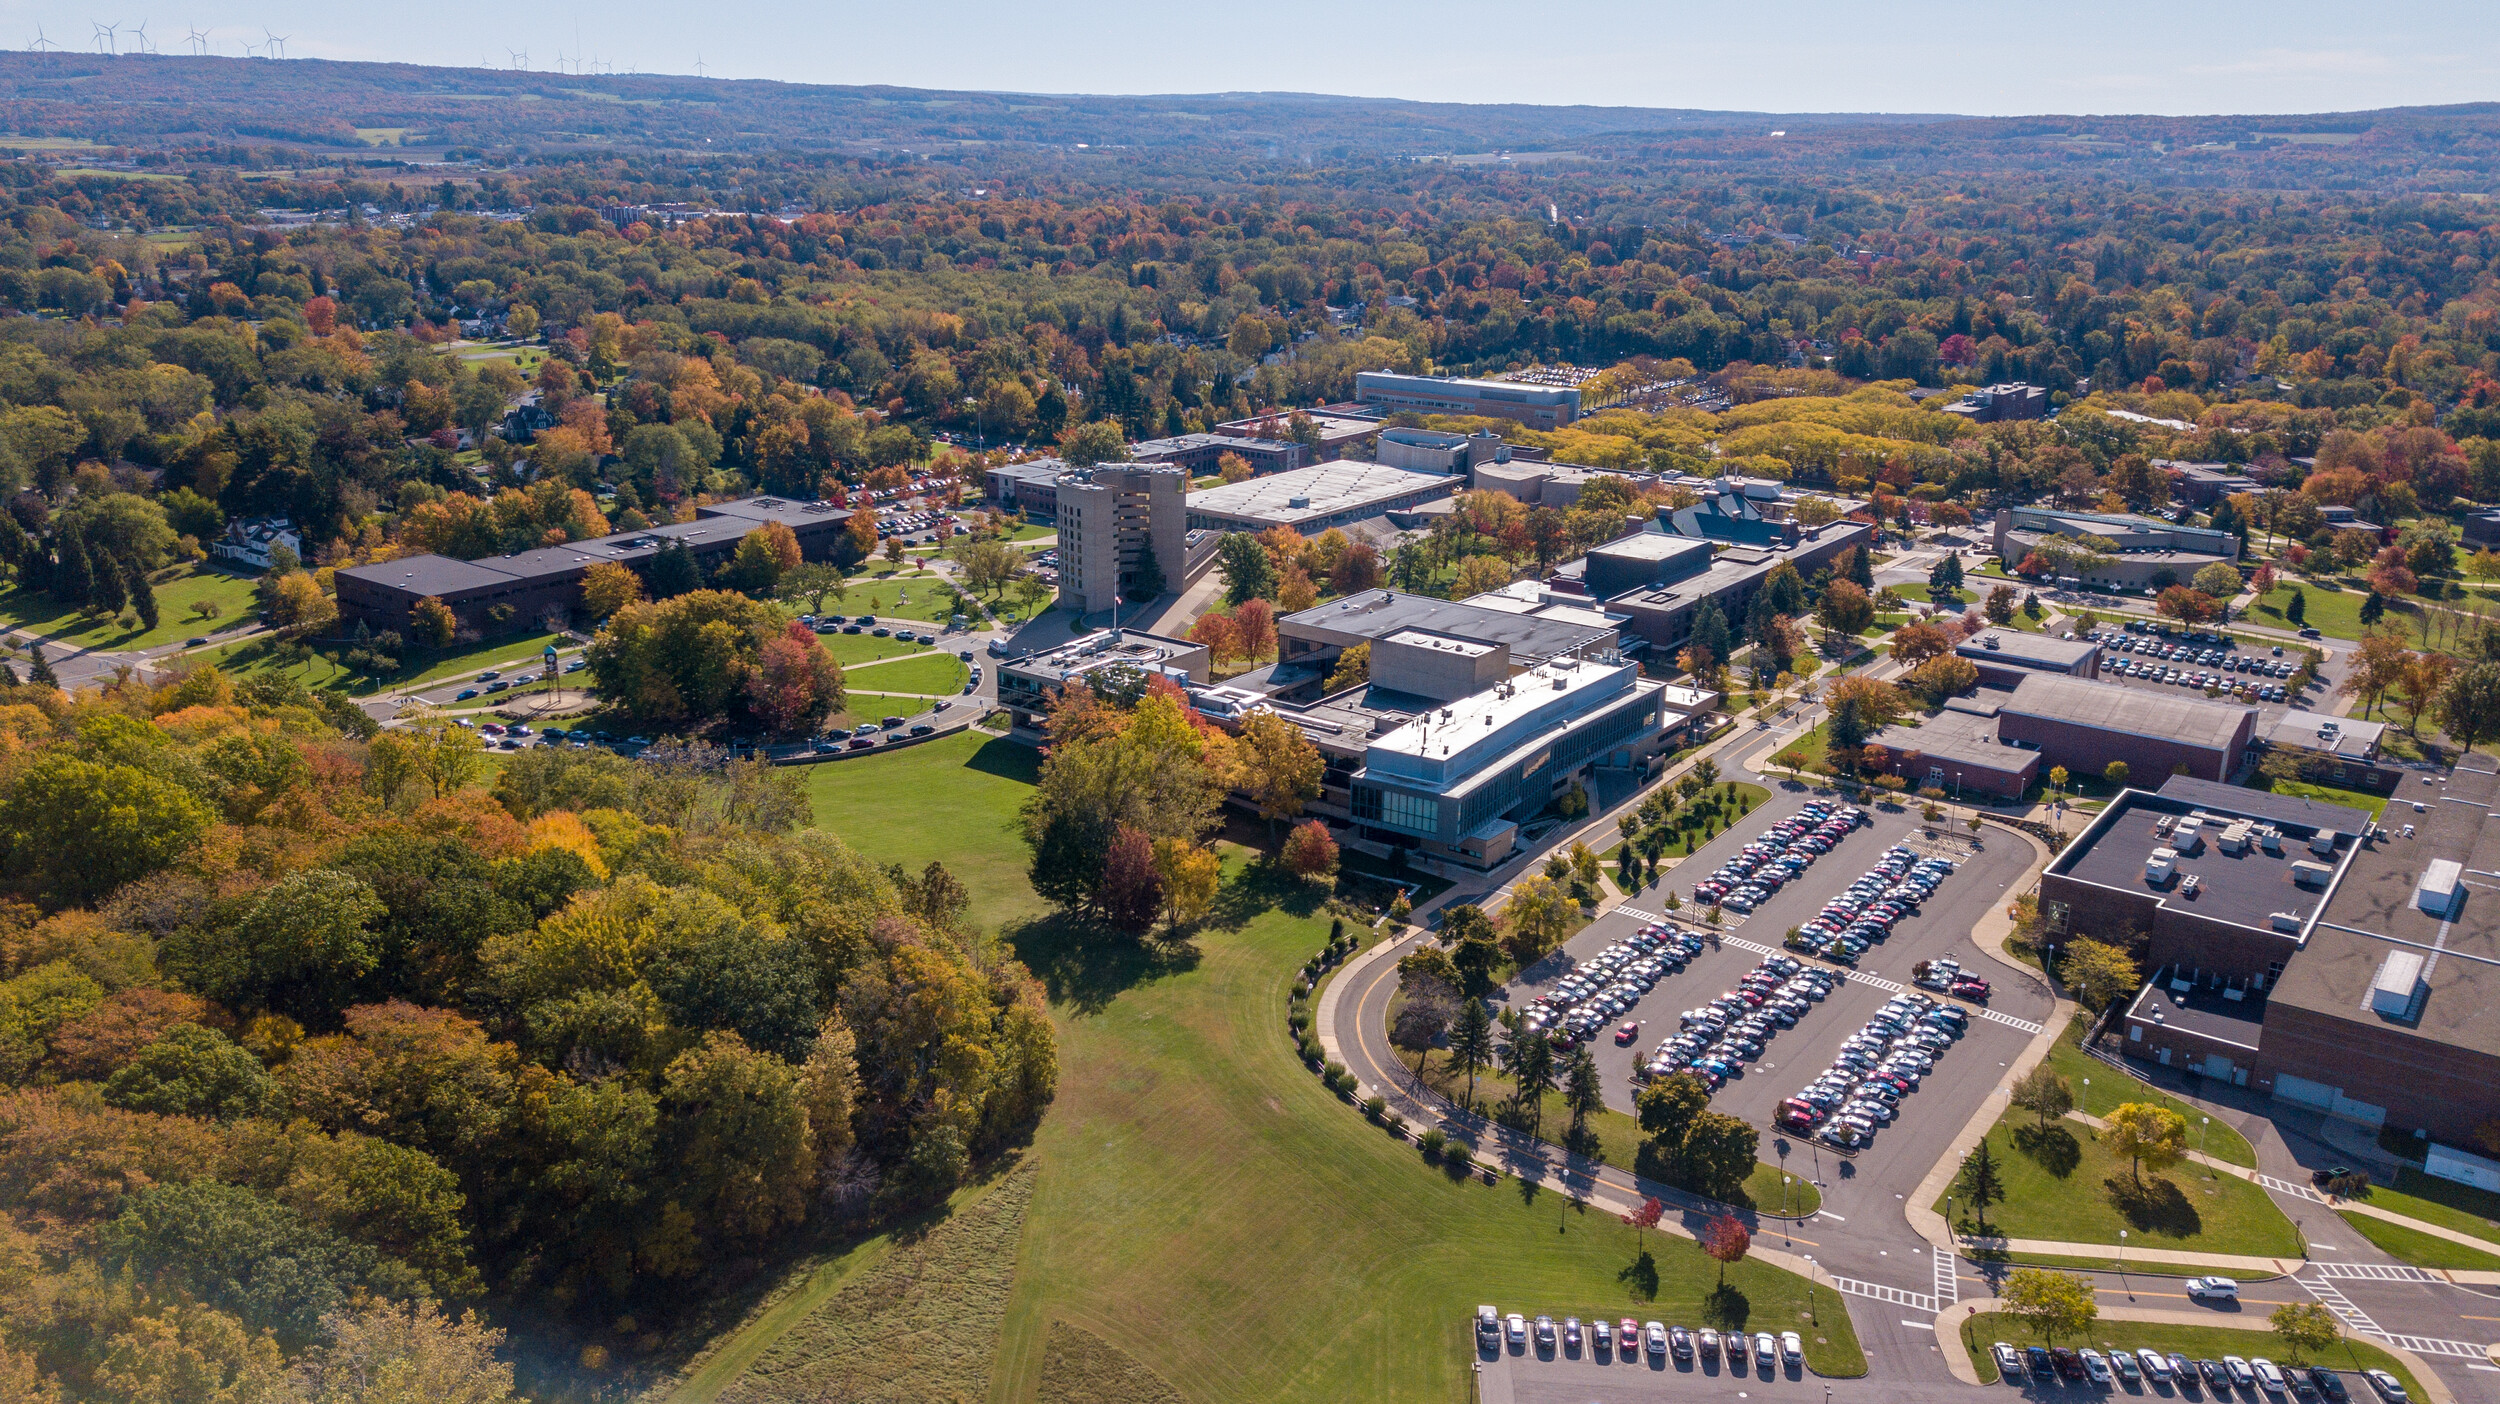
x,y
2334,613
935,674
1238,1230
2194,1342
884,599
847,649
2061,1184
860,707
177,590
955,800
506,656
2108,1088
2410,1245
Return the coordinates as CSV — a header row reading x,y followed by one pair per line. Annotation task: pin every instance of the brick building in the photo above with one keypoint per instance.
x,y
2083,726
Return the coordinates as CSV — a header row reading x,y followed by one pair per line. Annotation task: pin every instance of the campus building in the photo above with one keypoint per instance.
x,y
525,589
1998,403
2298,950
1201,454
2202,485
1116,661
2149,554
2083,726
1659,581
2005,657
1959,752
1537,406
1431,451
1311,500
2338,751
1309,643
1113,518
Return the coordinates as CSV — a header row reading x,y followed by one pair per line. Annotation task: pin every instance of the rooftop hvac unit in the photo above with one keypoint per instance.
x,y
2399,977
2234,840
2442,888
2159,867
2322,842
2312,874
2284,921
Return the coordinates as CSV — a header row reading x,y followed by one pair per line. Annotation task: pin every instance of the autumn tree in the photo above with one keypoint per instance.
x,y
2098,973
1726,1240
1276,766
2053,1304
1190,875
1845,611
1309,852
2045,1093
606,588
2146,1133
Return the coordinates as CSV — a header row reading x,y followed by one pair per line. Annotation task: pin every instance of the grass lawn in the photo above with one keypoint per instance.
x,y
177,590
2325,794
2334,613
847,649
506,656
1245,1235
884,600
2111,1088
860,707
2194,1342
2442,1202
939,674
2110,1262
2062,1184
955,799
2418,1248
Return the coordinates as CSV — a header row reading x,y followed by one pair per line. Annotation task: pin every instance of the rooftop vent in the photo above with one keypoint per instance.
x,y
1991,642
2399,979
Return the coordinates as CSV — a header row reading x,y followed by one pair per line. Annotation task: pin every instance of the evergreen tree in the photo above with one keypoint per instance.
x,y
1710,632
73,579
2296,609
9,677
1981,1185
1148,581
1848,733
1862,569
143,597
39,668
110,594
1758,618
1471,1043
674,572
2373,609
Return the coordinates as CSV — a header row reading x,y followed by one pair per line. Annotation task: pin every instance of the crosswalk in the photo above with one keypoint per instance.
x,y
1948,1277
2023,1025
2296,1191
1915,1301
2322,1286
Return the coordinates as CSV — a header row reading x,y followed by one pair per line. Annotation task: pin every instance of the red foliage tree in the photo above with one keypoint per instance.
x,y
1254,627
2032,567
1309,851
796,684
1132,891
1726,1239
1646,1217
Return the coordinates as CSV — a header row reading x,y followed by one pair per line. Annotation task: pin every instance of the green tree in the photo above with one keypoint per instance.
x,y
735,1128
812,581
1248,574
1100,441
302,947
1718,1154
1980,1183
2116,774
2045,1093
2053,1304
2469,706
2099,974
2296,609
1471,1044
192,1071
72,830
2305,1328
230,1248
2146,1133
1584,1091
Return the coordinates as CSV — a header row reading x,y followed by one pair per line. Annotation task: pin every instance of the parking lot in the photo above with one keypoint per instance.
x,y
2254,674
1792,1056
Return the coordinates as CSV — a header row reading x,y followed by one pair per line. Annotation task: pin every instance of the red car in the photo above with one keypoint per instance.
x,y
1628,1032
1970,987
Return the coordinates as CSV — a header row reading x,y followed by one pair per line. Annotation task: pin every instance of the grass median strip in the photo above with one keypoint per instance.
x,y
2410,1245
2063,1184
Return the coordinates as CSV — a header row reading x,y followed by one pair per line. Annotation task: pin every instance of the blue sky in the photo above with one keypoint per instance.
x,y
1808,55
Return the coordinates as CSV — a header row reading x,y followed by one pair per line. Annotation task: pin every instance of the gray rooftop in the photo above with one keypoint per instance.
x,y
2337,736
2371,914
1376,614
2127,710
431,575
777,509
2027,650
2245,889
2289,811
2202,1011
1951,736
1325,490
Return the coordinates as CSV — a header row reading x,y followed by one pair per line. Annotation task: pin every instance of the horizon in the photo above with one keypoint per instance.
x,y
1849,62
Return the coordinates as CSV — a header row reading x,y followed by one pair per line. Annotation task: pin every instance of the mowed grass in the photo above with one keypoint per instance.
x,y
177,590
2334,613
2369,804
2411,1245
860,707
847,649
954,800
2063,1185
508,656
885,599
2194,1342
1079,1367
2101,1089
932,673
2442,1202
1244,1234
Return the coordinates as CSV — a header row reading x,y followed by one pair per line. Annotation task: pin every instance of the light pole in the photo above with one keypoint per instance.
x,y
2202,1123
1948,1219
2122,1265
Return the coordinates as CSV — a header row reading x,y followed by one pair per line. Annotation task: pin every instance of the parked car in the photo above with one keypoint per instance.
x,y
1488,1327
1654,1337
1516,1330
2269,1375
2388,1386
1571,1334
2042,1367
1792,1348
2241,1376
2009,1360
2095,1366
2329,1383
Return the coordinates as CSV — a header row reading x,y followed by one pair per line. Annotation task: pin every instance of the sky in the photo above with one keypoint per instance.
x,y
2016,57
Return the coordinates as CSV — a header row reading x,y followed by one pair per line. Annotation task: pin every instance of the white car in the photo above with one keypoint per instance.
x,y
2154,1364
1654,1337
1766,1349
2219,1289
2095,1366
1515,1327
2269,1375
1792,1348
2009,1362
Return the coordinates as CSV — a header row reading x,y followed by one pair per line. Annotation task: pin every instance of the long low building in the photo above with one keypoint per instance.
x,y
529,587
1958,751
2300,951
2005,657
1539,406
1311,500
2084,726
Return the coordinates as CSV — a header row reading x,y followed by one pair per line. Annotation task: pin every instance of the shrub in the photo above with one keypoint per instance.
x,y
1300,1019
1434,1141
1375,1105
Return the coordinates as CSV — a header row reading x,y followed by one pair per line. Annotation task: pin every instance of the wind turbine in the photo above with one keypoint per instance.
x,y
198,41
107,37
698,63
144,46
277,42
41,44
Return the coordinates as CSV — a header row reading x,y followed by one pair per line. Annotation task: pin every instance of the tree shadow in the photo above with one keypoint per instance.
x,y
2154,1206
1726,1308
1007,759
2052,1148
1640,1278
1084,965
1260,888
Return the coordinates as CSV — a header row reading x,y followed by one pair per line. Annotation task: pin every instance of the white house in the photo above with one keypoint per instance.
x,y
249,542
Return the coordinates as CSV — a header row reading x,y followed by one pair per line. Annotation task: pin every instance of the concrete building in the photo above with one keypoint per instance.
x,y
2005,657
2201,485
522,590
1957,751
1674,580
1311,500
2339,751
2150,554
2013,400
1031,487
1113,661
2300,952
1201,453
2482,529
1556,485
1748,512
1431,451
1112,519
1538,406
1338,429
1309,643
2083,726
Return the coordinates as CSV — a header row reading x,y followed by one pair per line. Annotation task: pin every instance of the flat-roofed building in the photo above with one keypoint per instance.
x,y
2149,554
1202,453
2204,484
2083,726
1311,500
2339,751
530,587
1957,751
1661,614
1432,451
1539,406
1031,487
1116,661
2005,656
1319,635
1114,519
